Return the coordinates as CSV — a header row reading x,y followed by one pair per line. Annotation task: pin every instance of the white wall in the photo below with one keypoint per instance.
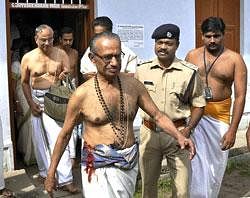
x,y
245,52
245,44
4,94
151,14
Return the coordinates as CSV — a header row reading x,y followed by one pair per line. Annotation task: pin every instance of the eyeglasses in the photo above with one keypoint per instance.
x,y
43,40
108,58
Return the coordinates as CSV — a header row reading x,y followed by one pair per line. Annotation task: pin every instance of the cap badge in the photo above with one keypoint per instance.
x,y
169,34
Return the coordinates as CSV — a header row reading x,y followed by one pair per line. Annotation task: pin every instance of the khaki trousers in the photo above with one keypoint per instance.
x,y
153,147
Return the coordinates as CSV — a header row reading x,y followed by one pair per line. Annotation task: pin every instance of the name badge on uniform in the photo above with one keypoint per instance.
x,y
148,82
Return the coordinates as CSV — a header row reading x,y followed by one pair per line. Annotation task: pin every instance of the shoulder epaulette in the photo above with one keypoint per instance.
x,y
189,65
144,63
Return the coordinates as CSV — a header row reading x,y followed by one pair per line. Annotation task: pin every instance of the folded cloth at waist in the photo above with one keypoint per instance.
x,y
103,155
219,110
152,125
38,96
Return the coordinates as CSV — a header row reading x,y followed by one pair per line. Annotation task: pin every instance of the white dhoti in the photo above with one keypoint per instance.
x,y
2,184
42,138
209,163
112,181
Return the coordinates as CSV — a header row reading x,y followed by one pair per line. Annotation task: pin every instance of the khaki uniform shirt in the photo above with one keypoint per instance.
x,y
165,85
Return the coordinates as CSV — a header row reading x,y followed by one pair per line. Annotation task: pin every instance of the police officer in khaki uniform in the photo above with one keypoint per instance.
x,y
176,88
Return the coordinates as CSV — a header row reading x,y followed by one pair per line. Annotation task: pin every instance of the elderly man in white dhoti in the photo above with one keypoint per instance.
x,y
40,68
107,103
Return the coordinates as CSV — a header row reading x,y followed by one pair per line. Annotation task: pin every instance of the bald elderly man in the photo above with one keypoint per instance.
x,y
175,87
107,104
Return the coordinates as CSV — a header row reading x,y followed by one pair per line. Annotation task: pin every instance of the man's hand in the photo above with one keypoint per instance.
x,y
63,75
228,140
36,109
186,143
50,185
248,137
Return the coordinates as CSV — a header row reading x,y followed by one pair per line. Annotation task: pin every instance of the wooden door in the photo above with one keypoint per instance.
x,y
229,11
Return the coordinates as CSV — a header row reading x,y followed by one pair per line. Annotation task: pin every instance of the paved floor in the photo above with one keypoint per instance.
x,y
25,183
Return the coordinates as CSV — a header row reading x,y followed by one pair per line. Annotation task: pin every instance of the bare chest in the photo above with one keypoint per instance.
x,y
40,66
220,70
112,107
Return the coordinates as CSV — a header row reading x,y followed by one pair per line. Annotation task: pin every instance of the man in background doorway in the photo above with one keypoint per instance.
x,y
129,59
66,39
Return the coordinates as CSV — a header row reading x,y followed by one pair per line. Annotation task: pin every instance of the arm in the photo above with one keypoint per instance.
x,y
131,66
146,103
131,60
65,65
25,81
198,103
76,64
240,84
196,113
72,115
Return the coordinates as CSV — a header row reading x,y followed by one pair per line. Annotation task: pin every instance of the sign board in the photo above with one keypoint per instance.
x,y
49,6
131,35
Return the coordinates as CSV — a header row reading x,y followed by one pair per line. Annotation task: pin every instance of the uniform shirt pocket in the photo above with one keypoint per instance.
x,y
149,86
177,95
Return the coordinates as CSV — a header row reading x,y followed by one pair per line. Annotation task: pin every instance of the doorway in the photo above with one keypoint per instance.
x,y
229,11
22,22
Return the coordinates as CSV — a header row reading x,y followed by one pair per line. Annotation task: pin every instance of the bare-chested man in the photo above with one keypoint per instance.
x,y
66,39
108,103
42,67
219,68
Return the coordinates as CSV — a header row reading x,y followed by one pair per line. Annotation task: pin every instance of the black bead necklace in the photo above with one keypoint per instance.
x,y
122,129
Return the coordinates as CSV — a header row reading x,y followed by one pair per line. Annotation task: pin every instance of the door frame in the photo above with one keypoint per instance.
x,y
88,8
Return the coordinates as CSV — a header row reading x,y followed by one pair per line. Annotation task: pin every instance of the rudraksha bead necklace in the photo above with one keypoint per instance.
x,y
121,129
